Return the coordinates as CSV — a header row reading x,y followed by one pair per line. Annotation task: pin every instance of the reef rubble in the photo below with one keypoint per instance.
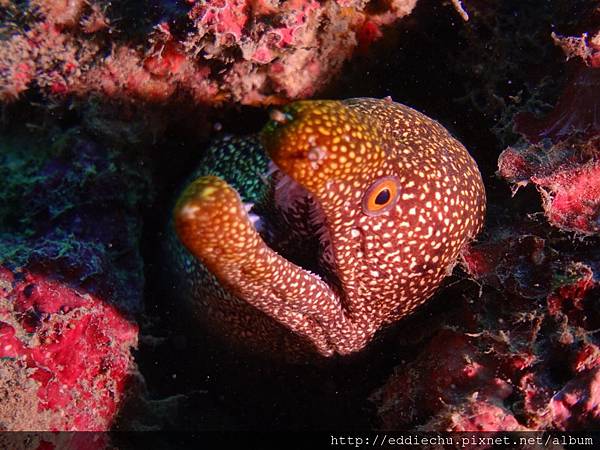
x,y
520,351
211,52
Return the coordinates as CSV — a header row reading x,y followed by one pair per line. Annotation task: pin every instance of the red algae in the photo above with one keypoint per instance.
x,y
577,405
240,51
448,372
65,355
567,175
522,356
572,197
560,155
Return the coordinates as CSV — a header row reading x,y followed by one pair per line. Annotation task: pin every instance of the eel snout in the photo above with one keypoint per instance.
x,y
315,142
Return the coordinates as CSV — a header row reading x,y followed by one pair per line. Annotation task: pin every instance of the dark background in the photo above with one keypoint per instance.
x,y
472,77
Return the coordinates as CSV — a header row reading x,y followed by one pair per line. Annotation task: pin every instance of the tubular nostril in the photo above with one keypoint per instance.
x,y
316,154
279,116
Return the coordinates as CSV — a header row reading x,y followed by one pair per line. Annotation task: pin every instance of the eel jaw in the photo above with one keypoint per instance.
x,y
212,223
215,225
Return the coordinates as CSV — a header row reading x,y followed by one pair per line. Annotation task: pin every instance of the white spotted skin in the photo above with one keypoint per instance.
x,y
383,265
391,263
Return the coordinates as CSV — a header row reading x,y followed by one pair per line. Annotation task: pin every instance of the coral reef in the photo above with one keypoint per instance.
x,y
576,406
586,47
497,362
560,154
567,175
65,356
35,440
251,52
457,376
104,112
71,210
70,273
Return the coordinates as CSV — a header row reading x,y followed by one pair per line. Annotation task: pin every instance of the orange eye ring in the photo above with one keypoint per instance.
x,y
381,196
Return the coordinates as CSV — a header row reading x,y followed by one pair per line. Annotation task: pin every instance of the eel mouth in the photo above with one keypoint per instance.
x,y
292,223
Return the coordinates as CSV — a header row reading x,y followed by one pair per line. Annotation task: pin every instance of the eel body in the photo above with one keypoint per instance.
x,y
338,218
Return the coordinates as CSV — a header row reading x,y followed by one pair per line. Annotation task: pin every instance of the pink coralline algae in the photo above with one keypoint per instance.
x,y
522,356
65,356
560,153
586,47
69,269
566,174
251,52
577,405
449,372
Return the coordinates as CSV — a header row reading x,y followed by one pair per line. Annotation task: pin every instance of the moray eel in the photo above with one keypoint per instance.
x,y
339,218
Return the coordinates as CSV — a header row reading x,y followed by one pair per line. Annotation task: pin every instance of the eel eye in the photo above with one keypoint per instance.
x,y
381,196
